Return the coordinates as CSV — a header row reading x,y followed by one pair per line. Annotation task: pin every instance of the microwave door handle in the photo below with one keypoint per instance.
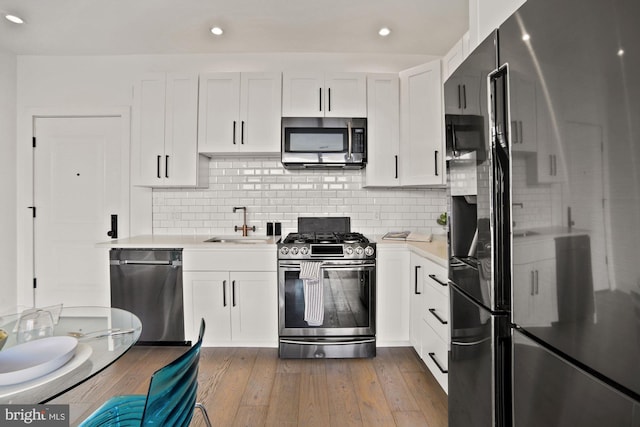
x,y
349,139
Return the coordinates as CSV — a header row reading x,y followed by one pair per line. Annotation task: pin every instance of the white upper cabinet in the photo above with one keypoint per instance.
x,y
165,120
383,130
487,15
239,113
422,151
324,95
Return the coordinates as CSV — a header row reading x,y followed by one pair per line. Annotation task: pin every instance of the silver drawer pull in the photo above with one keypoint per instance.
x,y
433,357
433,311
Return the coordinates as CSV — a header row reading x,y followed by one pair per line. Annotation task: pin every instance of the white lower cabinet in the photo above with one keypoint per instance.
x,y
429,331
240,308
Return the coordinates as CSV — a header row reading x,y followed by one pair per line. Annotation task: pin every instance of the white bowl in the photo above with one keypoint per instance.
x,y
35,358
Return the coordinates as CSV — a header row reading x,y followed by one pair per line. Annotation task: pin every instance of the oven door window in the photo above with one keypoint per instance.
x,y
348,302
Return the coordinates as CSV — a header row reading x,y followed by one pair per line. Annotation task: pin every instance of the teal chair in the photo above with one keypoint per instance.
x,y
170,401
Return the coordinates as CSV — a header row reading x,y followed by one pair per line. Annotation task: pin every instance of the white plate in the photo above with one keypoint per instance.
x,y
35,358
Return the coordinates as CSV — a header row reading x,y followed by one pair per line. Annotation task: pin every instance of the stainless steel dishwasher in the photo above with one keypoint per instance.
x,y
148,283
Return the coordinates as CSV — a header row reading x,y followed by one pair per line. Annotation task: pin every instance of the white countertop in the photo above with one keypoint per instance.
x,y
189,242
436,250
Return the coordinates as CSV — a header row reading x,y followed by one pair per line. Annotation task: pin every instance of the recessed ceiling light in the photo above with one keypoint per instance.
x,y
217,31
15,19
384,31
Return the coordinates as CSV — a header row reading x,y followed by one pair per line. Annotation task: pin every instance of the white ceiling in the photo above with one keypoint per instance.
x,y
114,27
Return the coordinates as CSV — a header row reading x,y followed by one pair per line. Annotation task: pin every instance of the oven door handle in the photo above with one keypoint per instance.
x,y
321,343
332,266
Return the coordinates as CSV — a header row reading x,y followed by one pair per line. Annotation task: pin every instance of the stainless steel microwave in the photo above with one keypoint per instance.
x,y
309,142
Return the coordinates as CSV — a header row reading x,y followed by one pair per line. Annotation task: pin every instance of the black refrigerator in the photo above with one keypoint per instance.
x,y
543,150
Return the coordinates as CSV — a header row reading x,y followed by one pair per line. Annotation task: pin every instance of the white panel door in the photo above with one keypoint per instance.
x,y
80,179
302,95
219,113
260,112
254,307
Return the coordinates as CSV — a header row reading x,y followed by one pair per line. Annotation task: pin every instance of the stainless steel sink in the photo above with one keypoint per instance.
x,y
243,240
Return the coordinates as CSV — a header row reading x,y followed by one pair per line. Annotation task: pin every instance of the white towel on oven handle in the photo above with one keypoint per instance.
x,y
313,292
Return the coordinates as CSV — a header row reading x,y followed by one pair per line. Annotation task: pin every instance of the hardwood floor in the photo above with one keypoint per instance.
x,y
253,387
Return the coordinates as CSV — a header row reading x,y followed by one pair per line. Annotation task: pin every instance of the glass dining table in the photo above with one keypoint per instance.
x,y
103,335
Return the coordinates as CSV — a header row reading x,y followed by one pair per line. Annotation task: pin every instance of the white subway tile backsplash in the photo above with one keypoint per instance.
x,y
272,193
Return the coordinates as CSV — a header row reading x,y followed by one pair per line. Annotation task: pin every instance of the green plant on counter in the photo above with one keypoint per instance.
x,y
442,219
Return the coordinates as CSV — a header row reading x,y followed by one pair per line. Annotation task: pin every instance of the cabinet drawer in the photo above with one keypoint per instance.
x,y
435,355
436,312
527,252
230,260
436,278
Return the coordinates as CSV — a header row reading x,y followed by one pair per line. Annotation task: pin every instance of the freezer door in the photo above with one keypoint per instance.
x,y
576,188
549,391
478,370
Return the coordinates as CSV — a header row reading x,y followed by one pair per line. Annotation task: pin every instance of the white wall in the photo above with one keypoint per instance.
x,y
487,15
8,298
93,83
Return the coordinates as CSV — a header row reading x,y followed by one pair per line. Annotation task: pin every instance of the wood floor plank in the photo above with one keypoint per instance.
x,y
285,399
260,383
371,400
253,387
314,400
343,403
431,399
395,389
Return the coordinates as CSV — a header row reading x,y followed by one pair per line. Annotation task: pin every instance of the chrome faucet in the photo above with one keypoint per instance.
x,y
245,228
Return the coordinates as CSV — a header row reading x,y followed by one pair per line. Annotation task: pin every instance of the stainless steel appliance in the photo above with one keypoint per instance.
x,y
544,221
309,142
148,283
345,305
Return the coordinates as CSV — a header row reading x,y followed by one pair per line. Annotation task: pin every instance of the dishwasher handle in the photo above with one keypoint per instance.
x,y
143,262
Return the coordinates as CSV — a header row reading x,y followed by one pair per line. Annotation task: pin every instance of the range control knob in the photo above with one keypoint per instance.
x,y
304,250
284,250
294,250
368,251
359,250
348,250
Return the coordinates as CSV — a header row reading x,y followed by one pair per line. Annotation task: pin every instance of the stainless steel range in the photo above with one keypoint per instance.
x,y
327,288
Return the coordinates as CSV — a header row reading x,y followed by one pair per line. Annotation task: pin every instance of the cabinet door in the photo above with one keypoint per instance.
x,y
148,129
302,95
550,166
219,113
254,307
180,163
422,159
345,95
452,60
383,139
207,295
260,112
523,114
393,297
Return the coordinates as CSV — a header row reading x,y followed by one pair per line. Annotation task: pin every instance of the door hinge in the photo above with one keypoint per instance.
x,y
35,283
33,142
34,210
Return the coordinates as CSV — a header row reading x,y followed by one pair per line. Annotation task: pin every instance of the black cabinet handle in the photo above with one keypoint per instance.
x,y
233,293
113,233
438,281
436,161
320,98
329,99
166,167
158,166
234,132
459,97
416,281
440,319
224,293
396,166
433,357
242,132
464,96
